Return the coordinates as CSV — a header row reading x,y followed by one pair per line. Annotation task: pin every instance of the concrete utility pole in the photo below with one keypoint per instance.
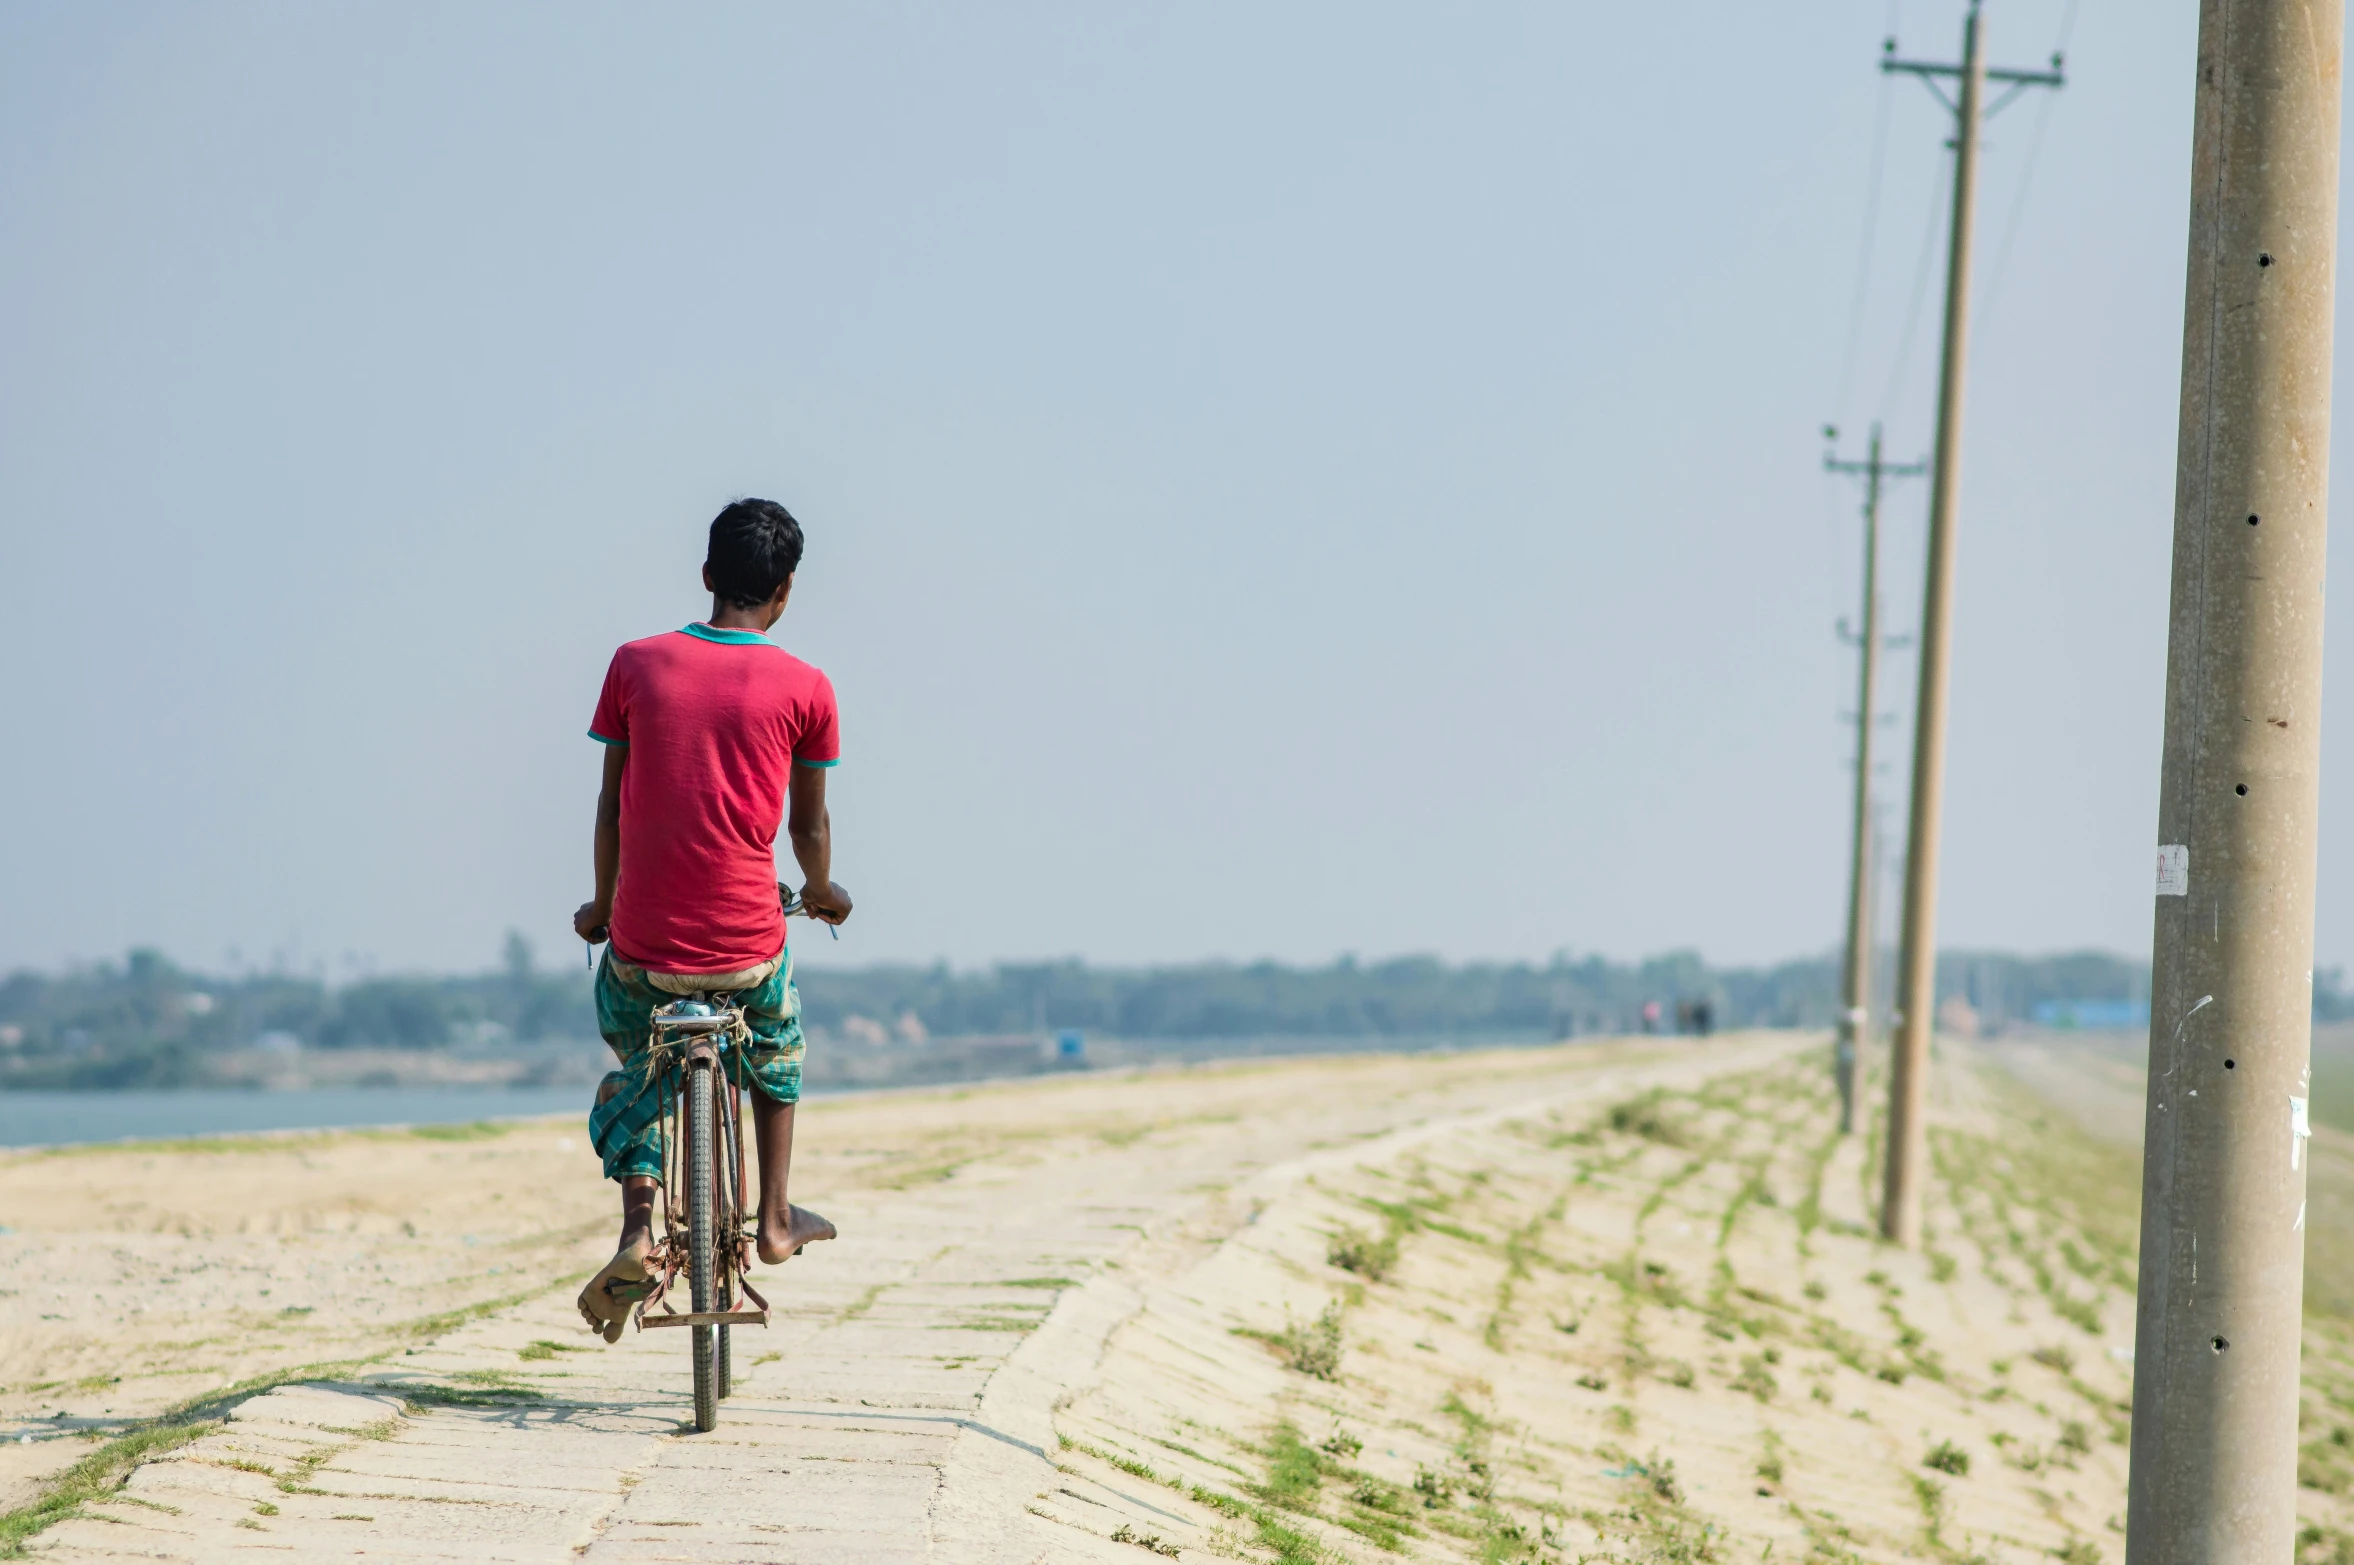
x,y
1856,982
2214,1474
1916,973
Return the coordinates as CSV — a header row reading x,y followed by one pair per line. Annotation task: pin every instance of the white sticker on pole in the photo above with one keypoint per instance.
x,y
2174,870
2300,1128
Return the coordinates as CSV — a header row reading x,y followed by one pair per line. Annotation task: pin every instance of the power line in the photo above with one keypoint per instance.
x,y
1863,260
2043,119
1912,315
2002,252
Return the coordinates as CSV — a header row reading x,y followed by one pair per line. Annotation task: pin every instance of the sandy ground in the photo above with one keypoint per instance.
x,y
1589,1302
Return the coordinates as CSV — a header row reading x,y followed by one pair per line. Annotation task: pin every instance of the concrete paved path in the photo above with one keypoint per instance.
x,y
899,1408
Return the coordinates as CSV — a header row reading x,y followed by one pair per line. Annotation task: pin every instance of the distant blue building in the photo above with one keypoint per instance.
x,y
1071,1048
2093,1015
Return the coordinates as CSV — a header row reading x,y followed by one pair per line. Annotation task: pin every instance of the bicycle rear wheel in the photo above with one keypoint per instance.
x,y
702,1230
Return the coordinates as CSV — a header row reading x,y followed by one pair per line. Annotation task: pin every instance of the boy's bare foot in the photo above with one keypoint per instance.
x,y
781,1242
605,1314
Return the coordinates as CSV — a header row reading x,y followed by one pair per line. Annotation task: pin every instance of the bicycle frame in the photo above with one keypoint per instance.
x,y
695,1035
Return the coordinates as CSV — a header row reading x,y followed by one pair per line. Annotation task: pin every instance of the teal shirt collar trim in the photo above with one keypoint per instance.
x,y
726,637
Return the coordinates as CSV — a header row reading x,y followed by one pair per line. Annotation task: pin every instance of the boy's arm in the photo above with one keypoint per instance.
x,y
594,915
812,832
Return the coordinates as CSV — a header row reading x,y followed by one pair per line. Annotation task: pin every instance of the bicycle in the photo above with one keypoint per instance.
x,y
707,1237
710,1240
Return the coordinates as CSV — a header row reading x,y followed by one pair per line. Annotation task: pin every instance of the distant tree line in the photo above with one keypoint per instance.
x,y
147,1022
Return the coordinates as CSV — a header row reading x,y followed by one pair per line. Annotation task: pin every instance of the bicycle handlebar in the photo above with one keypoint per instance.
x,y
787,898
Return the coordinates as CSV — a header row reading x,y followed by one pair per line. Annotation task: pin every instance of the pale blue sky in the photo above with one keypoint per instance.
x,y
1280,480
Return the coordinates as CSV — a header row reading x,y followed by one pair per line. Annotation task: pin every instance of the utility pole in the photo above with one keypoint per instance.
x,y
1916,973
1856,982
2215,1378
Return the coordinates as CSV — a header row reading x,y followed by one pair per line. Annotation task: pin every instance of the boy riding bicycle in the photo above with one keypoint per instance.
x,y
712,734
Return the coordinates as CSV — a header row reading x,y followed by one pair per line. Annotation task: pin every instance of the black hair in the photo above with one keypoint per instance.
x,y
755,545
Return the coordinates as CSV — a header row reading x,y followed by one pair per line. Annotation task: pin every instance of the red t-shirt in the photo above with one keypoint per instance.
x,y
714,720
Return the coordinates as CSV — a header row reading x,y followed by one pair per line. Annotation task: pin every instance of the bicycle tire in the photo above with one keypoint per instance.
x,y
731,1187
702,1229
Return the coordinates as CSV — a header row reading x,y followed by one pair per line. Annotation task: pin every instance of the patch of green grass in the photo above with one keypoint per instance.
x,y
1200,1456
417,1396
296,1480
1127,1464
443,1322
1313,1347
1294,1470
2319,1545
1654,1527
95,1477
1755,1378
477,1130
1929,1494
1769,1461
1649,1118
1289,1545
1520,1246
1354,1250
1376,1526
1827,1537
1946,1457
1295,1476
2324,1465
2079,1311
102,1472
1647,1282
382,1429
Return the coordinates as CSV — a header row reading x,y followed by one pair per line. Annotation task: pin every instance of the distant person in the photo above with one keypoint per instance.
x,y
1703,1017
1651,1016
708,732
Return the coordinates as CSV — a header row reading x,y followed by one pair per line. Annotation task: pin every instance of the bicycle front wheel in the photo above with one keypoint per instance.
x,y
731,1222
702,1231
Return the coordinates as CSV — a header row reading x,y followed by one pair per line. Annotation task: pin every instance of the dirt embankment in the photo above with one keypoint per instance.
x,y
1611,1303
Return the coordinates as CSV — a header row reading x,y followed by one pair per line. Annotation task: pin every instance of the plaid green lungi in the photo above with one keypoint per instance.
x,y
626,1125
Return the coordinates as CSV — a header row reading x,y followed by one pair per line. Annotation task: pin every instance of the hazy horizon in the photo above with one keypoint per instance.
x,y
1277,484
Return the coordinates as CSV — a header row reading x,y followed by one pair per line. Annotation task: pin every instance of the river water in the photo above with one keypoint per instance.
x,y
32,1119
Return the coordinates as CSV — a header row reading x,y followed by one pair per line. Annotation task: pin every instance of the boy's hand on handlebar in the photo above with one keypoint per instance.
x,y
589,922
829,904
